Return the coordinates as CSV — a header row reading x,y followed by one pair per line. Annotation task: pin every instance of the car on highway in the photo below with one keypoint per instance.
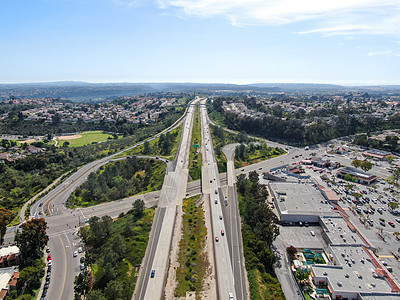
x,y
216,201
220,217
49,257
75,254
222,232
153,273
216,239
49,263
230,296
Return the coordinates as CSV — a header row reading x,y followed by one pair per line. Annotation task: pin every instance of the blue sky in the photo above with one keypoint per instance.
x,y
234,41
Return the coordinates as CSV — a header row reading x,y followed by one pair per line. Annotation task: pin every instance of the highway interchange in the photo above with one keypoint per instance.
x,y
63,223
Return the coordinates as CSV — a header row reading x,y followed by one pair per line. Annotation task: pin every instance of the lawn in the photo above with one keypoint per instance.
x,y
195,157
87,138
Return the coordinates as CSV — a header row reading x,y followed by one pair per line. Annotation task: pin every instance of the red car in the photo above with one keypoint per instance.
x,y
391,223
49,257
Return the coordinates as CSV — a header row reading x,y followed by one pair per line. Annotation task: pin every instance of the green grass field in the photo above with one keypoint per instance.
x,y
87,138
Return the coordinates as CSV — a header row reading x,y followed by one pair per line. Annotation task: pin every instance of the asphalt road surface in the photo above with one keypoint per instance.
x,y
212,186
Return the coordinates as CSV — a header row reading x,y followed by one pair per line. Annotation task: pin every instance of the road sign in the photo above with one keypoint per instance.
x,y
196,146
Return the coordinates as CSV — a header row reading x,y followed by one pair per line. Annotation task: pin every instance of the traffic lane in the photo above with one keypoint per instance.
x,y
153,247
237,250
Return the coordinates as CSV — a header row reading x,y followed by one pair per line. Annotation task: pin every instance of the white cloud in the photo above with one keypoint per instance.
x,y
329,17
383,52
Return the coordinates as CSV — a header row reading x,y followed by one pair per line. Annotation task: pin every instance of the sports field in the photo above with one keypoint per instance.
x,y
83,138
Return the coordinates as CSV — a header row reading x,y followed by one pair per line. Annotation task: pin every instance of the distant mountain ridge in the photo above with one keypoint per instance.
x,y
84,91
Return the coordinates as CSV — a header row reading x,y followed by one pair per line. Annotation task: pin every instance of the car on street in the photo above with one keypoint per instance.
x,y
220,217
75,254
222,232
153,273
216,201
216,239
230,296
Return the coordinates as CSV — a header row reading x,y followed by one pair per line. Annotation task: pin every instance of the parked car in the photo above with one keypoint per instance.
x,y
75,254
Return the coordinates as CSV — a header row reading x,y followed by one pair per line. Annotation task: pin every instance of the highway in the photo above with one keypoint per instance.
x,y
172,193
234,232
212,187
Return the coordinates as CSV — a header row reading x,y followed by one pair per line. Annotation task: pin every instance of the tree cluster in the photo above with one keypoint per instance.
x,y
113,249
259,230
116,181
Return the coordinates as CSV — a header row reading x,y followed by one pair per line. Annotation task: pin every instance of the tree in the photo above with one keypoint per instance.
x,y
146,147
29,279
390,159
396,174
82,284
95,295
118,245
253,177
366,165
114,290
66,144
356,163
138,208
5,218
31,240
291,251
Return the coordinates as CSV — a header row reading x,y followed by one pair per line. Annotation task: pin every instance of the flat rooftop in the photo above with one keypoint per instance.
x,y
300,198
339,232
5,276
354,271
8,250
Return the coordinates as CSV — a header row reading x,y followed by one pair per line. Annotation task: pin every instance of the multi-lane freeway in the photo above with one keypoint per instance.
x,y
153,274
212,187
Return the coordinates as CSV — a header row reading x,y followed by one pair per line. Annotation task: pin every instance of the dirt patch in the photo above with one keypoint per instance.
x,y
69,137
174,264
28,141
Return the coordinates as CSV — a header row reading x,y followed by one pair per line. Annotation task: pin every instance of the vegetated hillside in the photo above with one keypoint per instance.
x,y
119,180
293,130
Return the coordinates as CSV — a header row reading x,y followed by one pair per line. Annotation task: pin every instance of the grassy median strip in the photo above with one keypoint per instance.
x,y
192,258
195,157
